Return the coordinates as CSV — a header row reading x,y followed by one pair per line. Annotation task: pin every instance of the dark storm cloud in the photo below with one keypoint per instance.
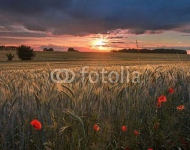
x,y
81,17
115,37
118,42
21,34
32,7
19,31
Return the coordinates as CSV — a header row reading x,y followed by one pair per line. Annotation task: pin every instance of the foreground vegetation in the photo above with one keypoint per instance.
x,y
68,112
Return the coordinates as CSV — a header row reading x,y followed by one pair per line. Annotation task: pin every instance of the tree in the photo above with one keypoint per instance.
x,y
25,52
9,56
2,47
45,49
50,49
70,49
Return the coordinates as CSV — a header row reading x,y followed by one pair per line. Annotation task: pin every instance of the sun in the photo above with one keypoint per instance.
x,y
99,44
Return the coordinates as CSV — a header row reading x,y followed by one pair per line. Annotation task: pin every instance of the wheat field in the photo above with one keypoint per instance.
x,y
69,111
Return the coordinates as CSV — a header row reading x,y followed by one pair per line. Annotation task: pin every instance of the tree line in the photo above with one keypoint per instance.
x,y
70,49
8,48
26,52
161,50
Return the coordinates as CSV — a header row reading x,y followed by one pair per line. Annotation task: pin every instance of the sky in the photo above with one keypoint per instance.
x,y
95,25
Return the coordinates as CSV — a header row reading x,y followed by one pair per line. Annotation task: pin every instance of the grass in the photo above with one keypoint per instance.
x,y
68,112
68,60
67,56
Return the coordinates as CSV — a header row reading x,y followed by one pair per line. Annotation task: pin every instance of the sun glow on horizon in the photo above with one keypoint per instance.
x,y
100,44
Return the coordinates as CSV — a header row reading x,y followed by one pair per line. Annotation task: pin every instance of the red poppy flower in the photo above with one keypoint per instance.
x,y
127,148
162,98
136,132
36,124
156,125
158,104
170,90
183,141
96,127
124,128
150,148
180,107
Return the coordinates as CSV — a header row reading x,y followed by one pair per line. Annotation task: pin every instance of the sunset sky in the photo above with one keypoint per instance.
x,y
95,25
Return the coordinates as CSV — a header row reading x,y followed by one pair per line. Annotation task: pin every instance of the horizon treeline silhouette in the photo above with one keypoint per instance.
x,y
160,50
